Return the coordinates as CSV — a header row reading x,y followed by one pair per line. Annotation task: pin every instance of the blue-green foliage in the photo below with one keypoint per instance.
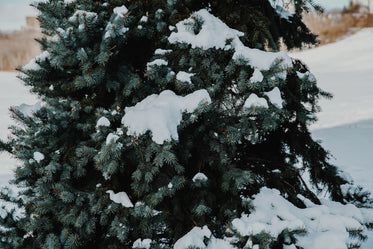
x,y
97,65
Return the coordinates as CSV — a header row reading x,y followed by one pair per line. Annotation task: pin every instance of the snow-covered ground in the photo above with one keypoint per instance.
x,y
345,124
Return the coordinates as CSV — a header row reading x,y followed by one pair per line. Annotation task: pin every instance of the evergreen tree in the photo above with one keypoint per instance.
x,y
170,124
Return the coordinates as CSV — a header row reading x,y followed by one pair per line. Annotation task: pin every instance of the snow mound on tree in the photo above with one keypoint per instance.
x,y
120,198
325,226
283,13
184,77
214,33
103,121
161,114
160,51
200,177
120,11
38,156
254,101
146,243
34,64
29,110
111,138
257,76
275,97
197,237
194,238
157,62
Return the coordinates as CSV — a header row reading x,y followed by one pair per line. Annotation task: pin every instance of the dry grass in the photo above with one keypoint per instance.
x,y
18,48
332,26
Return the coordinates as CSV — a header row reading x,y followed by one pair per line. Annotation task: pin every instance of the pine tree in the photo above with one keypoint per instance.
x,y
170,124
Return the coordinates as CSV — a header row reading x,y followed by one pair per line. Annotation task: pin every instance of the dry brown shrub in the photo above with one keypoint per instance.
x,y
332,26
18,48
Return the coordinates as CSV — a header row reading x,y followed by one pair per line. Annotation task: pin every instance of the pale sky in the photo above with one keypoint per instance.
x,y
13,12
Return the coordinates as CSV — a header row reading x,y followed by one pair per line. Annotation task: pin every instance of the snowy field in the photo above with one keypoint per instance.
x,y
345,124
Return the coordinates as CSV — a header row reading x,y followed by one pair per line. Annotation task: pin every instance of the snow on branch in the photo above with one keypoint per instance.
x,y
161,114
120,198
326,225
34,64
214,33
283,13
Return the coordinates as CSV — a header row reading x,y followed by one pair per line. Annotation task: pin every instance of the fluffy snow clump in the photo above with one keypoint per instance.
x,y
214,33
121,198
34,64
325,226
161,114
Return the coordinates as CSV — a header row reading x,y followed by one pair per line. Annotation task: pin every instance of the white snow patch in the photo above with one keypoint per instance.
x,y
160,51
306,75
215,243
257,76
34,63
120,11
263,60
157,62
200,177
275,97
69,1
142,243
111,28
120,198
80,16
29,110
103,121
214,34
194,238
283,13
119,131
38,156
144,19
326,225
255,101
161,114
111,138
184,77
